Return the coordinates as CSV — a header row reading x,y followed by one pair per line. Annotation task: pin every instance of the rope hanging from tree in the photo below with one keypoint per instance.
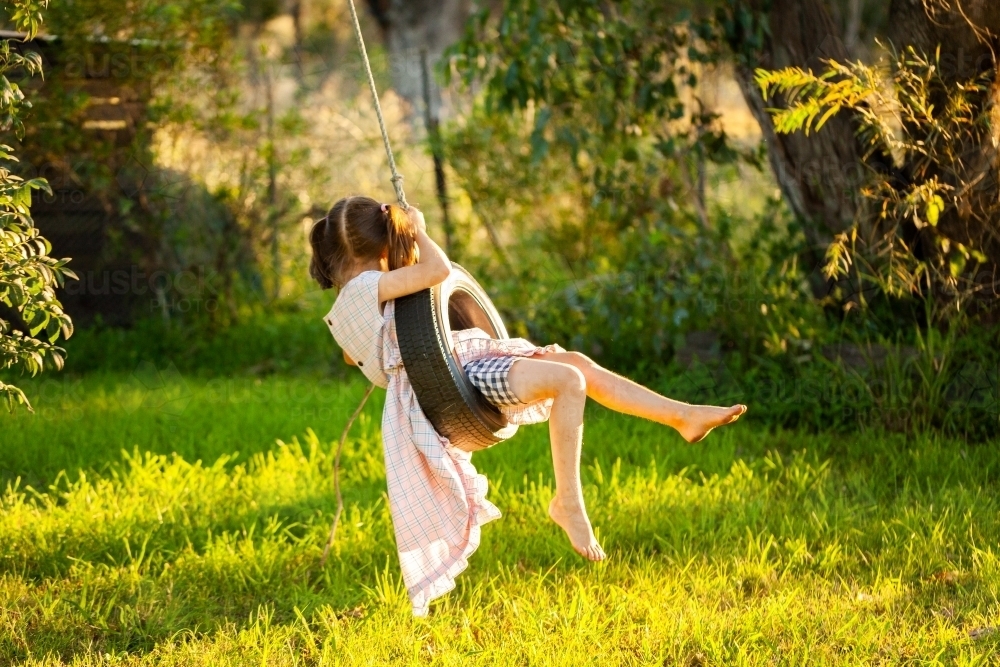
x,y
336,473
397,180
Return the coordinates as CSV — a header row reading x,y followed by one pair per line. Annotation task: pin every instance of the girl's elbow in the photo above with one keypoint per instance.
x,y
442,271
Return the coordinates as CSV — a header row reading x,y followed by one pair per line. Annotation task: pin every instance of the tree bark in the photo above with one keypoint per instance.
x,y
965,34
412,26
820,174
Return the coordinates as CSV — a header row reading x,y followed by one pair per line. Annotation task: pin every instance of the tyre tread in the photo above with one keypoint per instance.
x,y
446,396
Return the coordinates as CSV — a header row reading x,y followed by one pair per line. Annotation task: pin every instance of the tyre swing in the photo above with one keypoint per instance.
x,y
456,409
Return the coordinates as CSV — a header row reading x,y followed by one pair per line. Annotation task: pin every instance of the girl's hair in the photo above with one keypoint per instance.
x,y
357,231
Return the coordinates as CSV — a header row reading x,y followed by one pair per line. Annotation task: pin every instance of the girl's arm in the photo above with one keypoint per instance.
x,y
432,266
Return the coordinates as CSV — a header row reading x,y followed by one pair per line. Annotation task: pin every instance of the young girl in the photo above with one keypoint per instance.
x,y
376,252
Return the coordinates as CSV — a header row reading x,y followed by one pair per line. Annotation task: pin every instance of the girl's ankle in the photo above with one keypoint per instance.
x,y
568,503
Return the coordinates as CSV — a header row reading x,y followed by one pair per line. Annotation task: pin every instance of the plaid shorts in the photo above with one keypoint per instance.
x,y
489,375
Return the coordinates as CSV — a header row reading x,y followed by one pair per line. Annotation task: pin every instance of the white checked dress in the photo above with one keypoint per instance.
x,y
436,498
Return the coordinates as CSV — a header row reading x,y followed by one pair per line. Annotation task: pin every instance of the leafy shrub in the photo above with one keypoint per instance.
x,y
260,343
31,318
673,280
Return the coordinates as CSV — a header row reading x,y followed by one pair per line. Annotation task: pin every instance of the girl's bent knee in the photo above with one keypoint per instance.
x,y
570,381
580,359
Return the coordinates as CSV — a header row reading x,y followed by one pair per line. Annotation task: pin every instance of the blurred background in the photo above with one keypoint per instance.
x,y
615,176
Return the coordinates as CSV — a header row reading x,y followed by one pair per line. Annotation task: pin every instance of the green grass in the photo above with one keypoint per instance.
x,y
754,547
87,421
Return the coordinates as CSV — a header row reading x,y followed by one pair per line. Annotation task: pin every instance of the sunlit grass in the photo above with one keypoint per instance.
x,y
751,548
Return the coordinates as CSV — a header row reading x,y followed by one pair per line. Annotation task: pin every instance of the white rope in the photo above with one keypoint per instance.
x,y
397,184
336,474
397,180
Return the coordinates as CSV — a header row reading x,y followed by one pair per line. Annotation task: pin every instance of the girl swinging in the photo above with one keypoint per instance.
x,y
374,253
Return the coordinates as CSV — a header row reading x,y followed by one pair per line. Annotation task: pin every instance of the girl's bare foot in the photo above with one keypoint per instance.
x,y
574,521
701,419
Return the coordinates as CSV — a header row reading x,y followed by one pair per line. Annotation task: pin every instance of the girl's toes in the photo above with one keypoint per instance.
x,y
592,552
737,414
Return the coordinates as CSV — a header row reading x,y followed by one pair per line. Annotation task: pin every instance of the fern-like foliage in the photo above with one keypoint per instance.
x,y
812,99
934,133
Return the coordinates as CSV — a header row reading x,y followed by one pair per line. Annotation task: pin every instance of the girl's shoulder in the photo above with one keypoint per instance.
x,y
363,280
362,287
357,306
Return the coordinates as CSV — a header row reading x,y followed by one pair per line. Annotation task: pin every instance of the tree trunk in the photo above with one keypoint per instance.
x,y
965,31
966,34
412,26
820,174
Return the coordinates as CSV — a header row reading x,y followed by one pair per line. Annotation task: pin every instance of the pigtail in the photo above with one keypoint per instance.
x,y
402,243
318,269
330,251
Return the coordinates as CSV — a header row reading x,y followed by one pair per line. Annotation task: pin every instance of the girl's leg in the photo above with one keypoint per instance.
x,y
532,380
613,391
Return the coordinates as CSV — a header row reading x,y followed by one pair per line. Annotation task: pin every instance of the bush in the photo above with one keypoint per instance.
x,y
265,342
31,318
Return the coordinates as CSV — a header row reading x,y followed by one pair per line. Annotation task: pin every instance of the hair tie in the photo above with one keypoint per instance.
x,y
385,208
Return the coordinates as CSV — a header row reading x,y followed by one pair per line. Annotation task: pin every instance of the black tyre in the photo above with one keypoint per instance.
x,y
424,322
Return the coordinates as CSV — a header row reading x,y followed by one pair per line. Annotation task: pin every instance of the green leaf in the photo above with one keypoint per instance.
x,y
825,117
67,326
39,184
52,329
933,211
956,264
16,295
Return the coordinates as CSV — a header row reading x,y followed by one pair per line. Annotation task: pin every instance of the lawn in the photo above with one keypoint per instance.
x,y
160,518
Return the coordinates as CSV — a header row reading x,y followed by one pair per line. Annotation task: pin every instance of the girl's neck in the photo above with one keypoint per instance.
x,y
361,267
